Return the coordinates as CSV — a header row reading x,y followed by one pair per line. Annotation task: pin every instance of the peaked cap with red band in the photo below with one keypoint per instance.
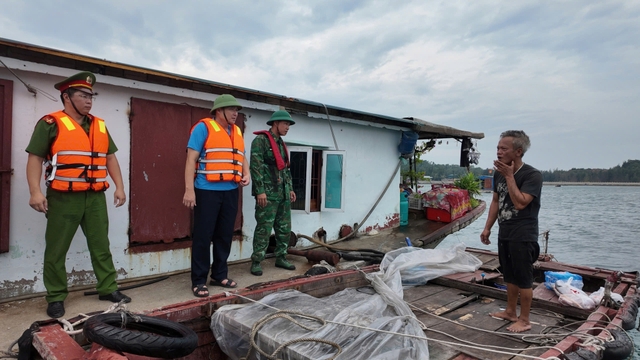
x,y
83,79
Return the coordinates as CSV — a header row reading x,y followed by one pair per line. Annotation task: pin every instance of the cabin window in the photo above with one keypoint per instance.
x,y
6,101
333,179
300,159
318,179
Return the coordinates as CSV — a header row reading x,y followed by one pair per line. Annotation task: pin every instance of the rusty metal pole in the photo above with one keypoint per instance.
x,y
316,255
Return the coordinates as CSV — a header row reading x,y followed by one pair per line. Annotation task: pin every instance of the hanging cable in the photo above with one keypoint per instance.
x,y
335,143
393,175
30,88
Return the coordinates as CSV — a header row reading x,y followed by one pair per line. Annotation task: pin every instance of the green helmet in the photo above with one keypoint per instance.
x,y
281,115
225,100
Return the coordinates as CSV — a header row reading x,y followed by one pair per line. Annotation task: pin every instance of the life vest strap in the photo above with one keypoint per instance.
x,y
88,180
235,172
231,150
80,166
81,153
227,161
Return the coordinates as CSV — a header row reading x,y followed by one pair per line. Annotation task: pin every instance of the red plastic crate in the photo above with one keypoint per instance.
x,y
437,215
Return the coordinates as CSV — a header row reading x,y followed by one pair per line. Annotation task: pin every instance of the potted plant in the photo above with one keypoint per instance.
x,y
472,185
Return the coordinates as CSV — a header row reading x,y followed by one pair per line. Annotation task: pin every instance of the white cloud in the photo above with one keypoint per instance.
x,y
566,72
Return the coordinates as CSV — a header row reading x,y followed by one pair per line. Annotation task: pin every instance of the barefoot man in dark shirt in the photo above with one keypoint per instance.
x,y
515,204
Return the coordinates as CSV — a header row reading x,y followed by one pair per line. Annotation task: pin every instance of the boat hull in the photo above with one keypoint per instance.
x,y
448,305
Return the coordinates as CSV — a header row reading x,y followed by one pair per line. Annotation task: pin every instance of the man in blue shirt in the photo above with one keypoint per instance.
x,y
214,171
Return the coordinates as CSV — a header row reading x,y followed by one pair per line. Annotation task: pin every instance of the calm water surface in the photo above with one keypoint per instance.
x,y
596,226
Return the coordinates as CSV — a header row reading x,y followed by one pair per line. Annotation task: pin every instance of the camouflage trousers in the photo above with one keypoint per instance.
x,y
277,216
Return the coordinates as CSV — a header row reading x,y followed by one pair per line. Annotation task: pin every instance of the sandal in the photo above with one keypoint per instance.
x,y
229,284
200,290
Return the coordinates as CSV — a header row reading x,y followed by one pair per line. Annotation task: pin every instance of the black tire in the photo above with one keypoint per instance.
x,y
581,354
618,349
628,316
271,248
152,337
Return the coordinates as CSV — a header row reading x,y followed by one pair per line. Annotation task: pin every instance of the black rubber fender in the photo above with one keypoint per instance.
x,y
628,316
316,270
618,349
25,343
151,336
581,354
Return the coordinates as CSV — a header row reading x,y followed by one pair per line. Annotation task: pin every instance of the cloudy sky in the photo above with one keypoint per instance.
x,y
565,72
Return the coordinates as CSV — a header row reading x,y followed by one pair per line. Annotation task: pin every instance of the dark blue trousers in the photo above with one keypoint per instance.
x,y
213,220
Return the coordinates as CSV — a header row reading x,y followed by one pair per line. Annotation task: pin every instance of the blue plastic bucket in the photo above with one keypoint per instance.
x,y
408,142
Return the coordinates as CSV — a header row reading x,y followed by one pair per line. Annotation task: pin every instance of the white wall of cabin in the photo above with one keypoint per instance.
x,y
371,157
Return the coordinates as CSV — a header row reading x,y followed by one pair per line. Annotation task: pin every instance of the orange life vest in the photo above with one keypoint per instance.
x,y
224,153
78,161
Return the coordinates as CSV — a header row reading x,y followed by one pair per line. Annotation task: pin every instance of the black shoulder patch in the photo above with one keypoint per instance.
x,y
48,119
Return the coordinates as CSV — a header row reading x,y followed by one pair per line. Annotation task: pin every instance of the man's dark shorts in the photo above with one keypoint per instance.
x,y
516,260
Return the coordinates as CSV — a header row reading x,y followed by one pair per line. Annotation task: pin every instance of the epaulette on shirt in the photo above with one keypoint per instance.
x,y
48,119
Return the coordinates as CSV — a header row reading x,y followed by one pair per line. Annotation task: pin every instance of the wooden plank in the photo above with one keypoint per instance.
x,y
437,332
499,294
485,290
568,344
317,286
99,352
461,276
464,357
490,262
424,308
486,257
476,314
475,276
491,265
456,304
541,292
437,300
440,326
439,351
6,172
418,292
53,343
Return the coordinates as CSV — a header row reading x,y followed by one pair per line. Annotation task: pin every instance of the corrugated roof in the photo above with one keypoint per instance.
x,y
43,55
434,131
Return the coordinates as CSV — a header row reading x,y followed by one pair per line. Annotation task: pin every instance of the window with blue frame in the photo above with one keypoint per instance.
x,y
333,180
318,179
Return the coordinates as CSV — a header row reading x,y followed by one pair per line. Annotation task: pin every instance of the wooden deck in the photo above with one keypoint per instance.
x,y
462,317
454,309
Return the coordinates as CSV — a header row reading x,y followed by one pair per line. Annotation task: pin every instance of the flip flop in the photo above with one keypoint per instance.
x,y
198,289
227,285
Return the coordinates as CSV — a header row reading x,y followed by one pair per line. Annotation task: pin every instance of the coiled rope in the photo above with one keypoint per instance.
x,y
69,327
590,340
285,314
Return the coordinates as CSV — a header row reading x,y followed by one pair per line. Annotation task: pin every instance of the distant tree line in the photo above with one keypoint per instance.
x,y
629,171
425,168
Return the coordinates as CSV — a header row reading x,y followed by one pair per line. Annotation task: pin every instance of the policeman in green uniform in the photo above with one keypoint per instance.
x,y
82,202
273,191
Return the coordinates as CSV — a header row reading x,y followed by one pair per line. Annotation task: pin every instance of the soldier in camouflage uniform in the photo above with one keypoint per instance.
x,y
273,191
